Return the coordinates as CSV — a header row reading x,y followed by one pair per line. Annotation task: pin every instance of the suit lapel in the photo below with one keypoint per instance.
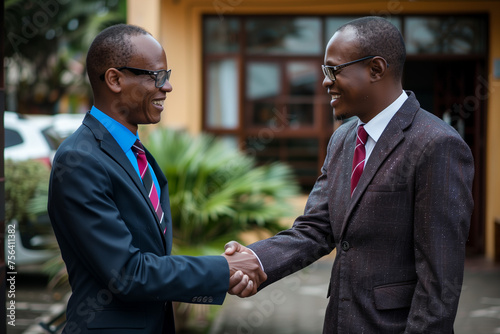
x,y
109,145
346,165
388,141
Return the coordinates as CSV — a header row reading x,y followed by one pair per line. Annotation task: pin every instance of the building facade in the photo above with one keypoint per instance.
x,y
249,71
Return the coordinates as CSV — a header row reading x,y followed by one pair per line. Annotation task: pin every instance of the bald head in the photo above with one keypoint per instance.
x,y
112,47
377,36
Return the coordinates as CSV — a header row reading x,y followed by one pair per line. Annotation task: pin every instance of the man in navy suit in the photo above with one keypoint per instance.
x,y
400,230
115,245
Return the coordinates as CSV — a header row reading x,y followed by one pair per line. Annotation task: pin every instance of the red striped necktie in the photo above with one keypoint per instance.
x,y
147,180
358,162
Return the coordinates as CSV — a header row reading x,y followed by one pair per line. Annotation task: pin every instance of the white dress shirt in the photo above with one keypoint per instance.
x,y
377,124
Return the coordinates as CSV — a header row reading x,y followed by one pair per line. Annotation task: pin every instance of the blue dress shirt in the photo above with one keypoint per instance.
x,y
125,138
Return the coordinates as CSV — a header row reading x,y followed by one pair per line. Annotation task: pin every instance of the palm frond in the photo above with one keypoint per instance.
x,y
216,191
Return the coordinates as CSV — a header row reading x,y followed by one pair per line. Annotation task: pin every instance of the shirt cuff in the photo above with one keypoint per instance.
x,y
261,266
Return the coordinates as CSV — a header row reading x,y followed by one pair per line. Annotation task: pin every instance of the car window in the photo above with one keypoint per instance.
x,y
52,138
12,137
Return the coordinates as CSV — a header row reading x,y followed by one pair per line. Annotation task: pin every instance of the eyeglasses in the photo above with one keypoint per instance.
x,y
329,71
160,76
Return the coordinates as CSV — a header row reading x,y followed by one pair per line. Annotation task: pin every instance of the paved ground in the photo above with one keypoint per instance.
x,y
479,308
34,304
296,304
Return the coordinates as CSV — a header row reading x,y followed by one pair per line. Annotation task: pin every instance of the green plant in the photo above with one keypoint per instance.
x,y
45,47
25,181
26,194
216,191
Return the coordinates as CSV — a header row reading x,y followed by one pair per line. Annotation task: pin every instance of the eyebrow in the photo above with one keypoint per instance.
x,y
329,63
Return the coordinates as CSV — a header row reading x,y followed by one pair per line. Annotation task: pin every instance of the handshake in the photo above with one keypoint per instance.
x,y
245,271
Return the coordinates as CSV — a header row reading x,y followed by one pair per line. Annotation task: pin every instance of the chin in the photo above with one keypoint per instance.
x,y
339,116
154,118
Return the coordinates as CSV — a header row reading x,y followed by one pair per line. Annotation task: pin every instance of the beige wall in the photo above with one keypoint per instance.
x,y
180,33
145,14
492,146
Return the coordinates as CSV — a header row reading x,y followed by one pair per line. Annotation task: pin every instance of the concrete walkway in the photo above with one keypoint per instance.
x,y
296,304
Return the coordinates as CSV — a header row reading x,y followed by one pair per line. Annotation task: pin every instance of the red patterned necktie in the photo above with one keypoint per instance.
x,y
147,180
358,162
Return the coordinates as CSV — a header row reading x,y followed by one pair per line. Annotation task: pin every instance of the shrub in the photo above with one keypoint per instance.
x,y
216,191
25,182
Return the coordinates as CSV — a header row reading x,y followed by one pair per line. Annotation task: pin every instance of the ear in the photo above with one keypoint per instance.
x,y
113,79
378,68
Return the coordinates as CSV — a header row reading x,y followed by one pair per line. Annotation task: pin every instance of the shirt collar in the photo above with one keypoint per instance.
x,y
123,136
377,124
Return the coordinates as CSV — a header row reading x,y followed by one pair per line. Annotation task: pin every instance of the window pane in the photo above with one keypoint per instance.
x,y
220,36
283,35
263,80
445,35
265,114
299,153
303,80
300,115
12,137
222,94
262,92
231,142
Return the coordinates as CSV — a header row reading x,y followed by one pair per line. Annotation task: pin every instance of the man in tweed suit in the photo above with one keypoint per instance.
x,y
400,236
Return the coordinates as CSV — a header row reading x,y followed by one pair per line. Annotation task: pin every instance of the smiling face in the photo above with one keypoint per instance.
x,y
350,92
140,102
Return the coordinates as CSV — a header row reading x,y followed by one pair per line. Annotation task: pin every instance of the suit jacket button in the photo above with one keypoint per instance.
x,y
193,300
345,245
210,300
205,299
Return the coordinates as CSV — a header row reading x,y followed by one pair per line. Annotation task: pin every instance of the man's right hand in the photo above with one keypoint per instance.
x,y
245,271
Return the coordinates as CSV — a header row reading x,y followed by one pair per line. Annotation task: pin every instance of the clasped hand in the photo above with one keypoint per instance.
x,y
245,271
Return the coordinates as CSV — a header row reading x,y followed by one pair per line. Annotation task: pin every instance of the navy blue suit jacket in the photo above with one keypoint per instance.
x,y
122,275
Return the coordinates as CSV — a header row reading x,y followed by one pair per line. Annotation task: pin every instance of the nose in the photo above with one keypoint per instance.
x,y
327,82
167,87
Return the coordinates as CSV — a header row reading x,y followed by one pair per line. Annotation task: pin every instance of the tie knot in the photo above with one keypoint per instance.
x,y
137,147
362,134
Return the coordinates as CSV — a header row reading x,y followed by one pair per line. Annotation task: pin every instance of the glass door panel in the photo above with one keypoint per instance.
x,y
222,97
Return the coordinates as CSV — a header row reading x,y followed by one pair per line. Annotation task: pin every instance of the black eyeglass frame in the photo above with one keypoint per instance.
x,y
329,71
140,71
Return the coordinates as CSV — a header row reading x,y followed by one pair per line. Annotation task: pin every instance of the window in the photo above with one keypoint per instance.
x,y
263,79
445,35
222,101
12,138
283,36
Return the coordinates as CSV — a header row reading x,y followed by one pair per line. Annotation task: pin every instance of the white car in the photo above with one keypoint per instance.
x,y
62,125
65,124
26,139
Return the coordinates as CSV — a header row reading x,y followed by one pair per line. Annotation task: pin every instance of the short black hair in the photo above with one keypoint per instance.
x,y
111,48
379,37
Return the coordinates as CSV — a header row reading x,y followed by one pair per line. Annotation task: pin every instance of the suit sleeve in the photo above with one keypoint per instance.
x,y
443,207
308,240
90,225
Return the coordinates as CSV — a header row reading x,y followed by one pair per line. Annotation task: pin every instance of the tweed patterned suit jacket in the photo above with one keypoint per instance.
x,y
400,239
